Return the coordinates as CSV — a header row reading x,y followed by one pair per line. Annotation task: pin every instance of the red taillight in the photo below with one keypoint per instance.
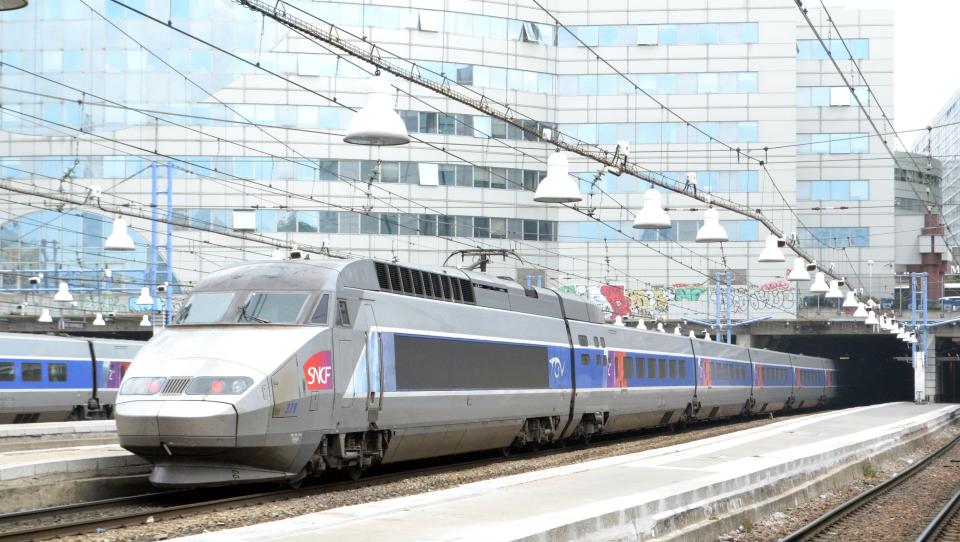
x,y
216,386
153,386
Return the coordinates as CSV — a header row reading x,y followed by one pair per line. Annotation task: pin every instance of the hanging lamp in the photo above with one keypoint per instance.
x,y
652,216
691,334
711,231
145,298
618,321
799,271
10,5
871,319
861,311
63,294
819,285
706,335
676,330
377,122
558,186
119,238
660,327
834,291
641,324
99,321
145,321
772,250
850,301
45,317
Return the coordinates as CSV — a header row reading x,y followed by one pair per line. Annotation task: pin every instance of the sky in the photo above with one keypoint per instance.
x,y
926,56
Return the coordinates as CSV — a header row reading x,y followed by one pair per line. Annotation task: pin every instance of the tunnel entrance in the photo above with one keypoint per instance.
x,y
874,368
948,370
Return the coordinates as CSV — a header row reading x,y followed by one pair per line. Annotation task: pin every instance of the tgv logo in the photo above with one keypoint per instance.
x,y
318,372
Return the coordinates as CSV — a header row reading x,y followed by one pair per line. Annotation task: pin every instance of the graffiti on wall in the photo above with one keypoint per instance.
x,y
653,302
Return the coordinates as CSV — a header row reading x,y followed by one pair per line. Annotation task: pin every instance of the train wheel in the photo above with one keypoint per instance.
x,y
354,472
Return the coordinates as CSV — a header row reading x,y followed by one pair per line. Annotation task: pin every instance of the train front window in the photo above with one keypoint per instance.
x,y
205,308
7,373
273,307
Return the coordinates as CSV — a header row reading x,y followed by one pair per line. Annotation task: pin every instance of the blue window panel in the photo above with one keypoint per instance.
x,y
668,34
859,190
708,34
729,83
839,143
566,39
529,81
647,34
667,83
72,61
498,78
180,9
587,85
820,143
243,167
608,133
51,112
819,96
545,83
52,61
729,33
748,131
71,113
568,231
820,190
859,48
860,144
749,181
840,190
608,36
708,82
200,61
687,34
647,82
859,237
749,33
567,85
590,35
267,220
587,133
607,84
114,11
748,82
803,97
626,131
863,94
803,190
670,132
648,132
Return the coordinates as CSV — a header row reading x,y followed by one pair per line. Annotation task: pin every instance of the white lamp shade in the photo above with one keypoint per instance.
x,y
277,254
913,338
819,285
850,301
641,324
98,321
63,294
145,321
119,238
45,316
558,186
834,291
711,231
660,327
771,250
652,216
799,271
901,333
871,319
692,335
895,329
676,330
861,311
618,321
8,5
706,335
377,123
145,298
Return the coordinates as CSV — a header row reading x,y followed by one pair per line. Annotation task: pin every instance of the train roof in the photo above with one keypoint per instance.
x,y
469,287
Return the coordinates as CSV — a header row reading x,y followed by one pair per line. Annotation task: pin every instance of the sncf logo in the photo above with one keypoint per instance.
x,y
318,372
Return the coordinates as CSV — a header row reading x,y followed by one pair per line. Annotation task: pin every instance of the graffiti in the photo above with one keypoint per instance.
x,y
617,300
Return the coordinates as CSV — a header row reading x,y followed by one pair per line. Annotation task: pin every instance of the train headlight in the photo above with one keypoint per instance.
x,y
149,385
219,385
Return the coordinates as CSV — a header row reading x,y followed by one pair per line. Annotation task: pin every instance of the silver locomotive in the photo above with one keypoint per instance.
x,y
277,370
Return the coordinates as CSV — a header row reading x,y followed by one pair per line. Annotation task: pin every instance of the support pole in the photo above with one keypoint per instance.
x,y
717,317
729,303
919,322
167,311
152,263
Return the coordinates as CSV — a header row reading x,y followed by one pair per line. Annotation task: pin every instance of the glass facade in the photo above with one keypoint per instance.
x,y
833,143
833,190
680,230
834,237
812,50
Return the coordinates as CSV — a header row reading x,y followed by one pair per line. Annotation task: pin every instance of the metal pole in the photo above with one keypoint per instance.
x,y
729,302
152,264
167,312
717,293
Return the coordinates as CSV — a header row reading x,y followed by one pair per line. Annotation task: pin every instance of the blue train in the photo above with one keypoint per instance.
x,y
45,378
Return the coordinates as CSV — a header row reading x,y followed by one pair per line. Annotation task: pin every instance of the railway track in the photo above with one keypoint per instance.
x,y
828,526
945,527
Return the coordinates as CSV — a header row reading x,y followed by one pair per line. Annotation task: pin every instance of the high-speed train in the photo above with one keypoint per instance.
x,y
276,370
47,378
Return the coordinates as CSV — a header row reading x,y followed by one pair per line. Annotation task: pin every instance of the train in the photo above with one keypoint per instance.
x,y
273,371
49,378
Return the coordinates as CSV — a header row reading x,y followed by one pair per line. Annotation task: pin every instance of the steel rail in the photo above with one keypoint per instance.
x,y
373,55
940,523
817,527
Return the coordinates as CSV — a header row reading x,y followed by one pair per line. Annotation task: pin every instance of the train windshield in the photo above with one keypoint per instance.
x,y
205,308
273,307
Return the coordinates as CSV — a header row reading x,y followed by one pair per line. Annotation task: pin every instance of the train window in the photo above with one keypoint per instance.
x,y
627,367
273,307
683,368
673,368
30,372
639,367
437,287
600,359
584,359
417,282
427,284
320,313
603,342
343,314
6,371
662,369
57,372
596,341
651,368
582,339
205,308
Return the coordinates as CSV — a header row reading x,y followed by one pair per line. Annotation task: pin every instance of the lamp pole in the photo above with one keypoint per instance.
x,y
920,323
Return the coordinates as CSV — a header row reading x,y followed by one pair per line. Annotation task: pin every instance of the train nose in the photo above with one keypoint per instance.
x,y
177,427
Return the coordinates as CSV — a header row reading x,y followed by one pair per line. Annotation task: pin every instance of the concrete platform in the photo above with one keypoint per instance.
x,y
57,428
673,492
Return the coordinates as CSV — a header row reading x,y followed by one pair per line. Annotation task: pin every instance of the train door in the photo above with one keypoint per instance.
x,y
372,360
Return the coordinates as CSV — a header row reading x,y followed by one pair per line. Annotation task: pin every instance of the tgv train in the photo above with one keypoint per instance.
x,y
280,369
45,378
